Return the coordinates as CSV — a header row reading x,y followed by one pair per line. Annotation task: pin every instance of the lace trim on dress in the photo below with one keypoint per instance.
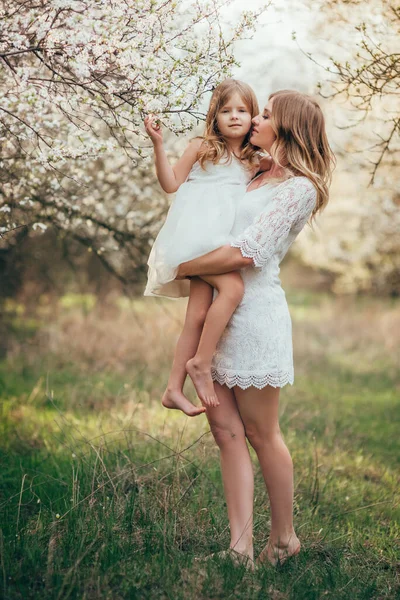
x,y
270,231
251,251
230,379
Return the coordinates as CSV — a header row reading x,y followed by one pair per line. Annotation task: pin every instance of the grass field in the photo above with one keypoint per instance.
x,y
105,494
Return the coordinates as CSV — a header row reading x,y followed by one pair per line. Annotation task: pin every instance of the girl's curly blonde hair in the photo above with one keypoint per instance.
x,y
215,146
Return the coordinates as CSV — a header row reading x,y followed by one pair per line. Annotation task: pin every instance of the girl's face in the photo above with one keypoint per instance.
x,y
262,134
234,119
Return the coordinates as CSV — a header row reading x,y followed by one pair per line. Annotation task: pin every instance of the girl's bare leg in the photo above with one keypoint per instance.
x,y
259,412
200,299
237,470
230,292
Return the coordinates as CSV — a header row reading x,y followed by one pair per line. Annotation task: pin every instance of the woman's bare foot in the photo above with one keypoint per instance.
x,y
236,557
176,399
277,553
200,374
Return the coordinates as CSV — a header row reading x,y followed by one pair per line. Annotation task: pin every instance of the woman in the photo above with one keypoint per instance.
x,y
254,358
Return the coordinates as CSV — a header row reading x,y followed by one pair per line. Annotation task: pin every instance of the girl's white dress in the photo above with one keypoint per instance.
x,y
256,346
199,221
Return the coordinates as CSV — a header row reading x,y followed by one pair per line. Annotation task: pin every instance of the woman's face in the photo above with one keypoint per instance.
x,y
262,134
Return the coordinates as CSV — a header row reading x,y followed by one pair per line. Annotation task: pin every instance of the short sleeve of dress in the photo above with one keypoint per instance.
x,y
293,203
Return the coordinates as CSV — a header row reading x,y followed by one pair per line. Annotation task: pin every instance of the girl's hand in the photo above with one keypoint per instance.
x,y
265,163
153,129
179,274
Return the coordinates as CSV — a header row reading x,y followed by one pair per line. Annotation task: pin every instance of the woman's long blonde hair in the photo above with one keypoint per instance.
x,y
215,146
301,146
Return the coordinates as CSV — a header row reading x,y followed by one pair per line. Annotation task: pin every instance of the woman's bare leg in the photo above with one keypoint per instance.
x,y
200,299
230,292
259,412
237,470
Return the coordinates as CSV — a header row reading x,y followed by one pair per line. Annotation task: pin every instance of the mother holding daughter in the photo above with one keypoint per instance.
x,y
254,354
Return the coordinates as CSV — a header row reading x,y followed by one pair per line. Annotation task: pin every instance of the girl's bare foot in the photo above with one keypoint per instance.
x,y
176,399
277,553
200,374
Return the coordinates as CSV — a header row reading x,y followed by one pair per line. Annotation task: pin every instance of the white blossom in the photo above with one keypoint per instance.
x,y
42,226
77,80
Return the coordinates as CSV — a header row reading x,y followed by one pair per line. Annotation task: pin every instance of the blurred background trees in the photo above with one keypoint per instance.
x,y
359,242
79,206
96,476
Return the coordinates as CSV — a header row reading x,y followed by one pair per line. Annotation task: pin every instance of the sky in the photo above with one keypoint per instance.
x,y
272,60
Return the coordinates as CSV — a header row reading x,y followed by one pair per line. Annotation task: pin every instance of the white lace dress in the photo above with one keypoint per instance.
x,y
200,220
256,347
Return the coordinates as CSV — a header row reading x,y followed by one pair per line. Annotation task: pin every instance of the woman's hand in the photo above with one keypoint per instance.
x,y
153,129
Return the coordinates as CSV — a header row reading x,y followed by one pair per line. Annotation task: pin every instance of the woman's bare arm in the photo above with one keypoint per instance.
x,y
221,260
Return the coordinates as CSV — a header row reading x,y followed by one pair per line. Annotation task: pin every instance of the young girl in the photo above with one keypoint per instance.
x,y
210,177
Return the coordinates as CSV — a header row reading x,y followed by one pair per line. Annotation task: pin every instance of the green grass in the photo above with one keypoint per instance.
x,y
104,494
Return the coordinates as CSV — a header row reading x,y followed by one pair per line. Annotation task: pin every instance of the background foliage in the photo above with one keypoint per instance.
x,y
76,83
103,493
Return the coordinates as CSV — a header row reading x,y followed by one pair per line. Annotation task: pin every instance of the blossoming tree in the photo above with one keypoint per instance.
x,y
77,80
359,242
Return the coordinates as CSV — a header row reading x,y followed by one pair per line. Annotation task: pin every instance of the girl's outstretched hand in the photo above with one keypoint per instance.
x,y
153,129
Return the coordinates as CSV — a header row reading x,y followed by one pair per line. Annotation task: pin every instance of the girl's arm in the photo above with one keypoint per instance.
x,y
221,260
170,178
